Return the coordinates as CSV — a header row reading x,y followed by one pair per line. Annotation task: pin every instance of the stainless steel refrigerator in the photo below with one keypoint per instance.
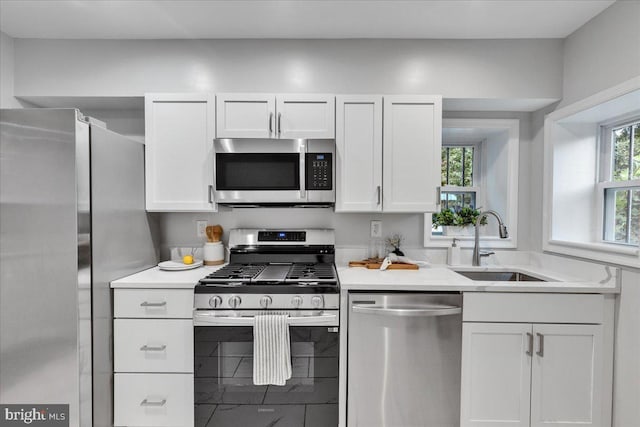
x,y
72,219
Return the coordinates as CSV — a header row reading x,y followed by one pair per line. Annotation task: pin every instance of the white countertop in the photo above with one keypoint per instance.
x,y
436,278
443,278
156,278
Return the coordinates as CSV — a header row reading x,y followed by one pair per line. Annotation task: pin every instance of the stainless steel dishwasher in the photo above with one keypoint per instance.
x,y
404,352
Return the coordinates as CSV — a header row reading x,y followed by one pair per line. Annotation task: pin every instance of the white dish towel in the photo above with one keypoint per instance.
x,y
271,349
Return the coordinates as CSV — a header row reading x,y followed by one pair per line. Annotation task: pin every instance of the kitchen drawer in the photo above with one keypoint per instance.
x,y
154,400
532,307
153,345
163,303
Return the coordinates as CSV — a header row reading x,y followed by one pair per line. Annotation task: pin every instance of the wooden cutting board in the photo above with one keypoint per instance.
x,y
373,265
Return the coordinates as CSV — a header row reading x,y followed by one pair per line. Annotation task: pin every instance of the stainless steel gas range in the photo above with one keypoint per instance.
x,y
288,271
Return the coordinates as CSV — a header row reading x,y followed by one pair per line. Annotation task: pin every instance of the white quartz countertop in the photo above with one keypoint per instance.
x,y
443,278
156,278
435,278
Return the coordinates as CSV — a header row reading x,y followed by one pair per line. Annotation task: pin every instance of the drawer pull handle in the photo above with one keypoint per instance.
x,y
530,351
152,348
540,351
148,402
153,304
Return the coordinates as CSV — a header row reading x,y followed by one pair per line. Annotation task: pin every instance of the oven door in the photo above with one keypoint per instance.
x,y
260,171
223,368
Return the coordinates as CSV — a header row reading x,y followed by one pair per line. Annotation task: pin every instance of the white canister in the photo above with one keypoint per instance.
x,y
213,253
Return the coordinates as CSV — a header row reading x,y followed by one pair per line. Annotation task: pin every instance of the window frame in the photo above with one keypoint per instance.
x,y
608,106
477,176
606,182
512,127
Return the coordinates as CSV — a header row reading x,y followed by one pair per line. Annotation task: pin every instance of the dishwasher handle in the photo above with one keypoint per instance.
x,y
428,311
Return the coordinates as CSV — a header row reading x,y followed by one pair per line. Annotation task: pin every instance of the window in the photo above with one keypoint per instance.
x,y
591,178
459,176
620,182
479,170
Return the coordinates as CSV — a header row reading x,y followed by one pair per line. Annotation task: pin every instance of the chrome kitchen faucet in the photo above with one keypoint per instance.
x,y
502,229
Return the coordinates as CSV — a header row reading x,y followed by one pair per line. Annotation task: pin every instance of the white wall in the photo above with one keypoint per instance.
x,y
6,72
603,52
491,69
127,122
599,55
626,410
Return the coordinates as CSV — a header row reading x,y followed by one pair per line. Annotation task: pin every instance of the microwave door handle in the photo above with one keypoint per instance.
x,y
303,171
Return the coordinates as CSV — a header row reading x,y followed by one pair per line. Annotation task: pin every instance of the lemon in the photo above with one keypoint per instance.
x,y
187,259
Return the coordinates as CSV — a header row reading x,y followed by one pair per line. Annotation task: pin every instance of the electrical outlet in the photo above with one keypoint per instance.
x,y
376,228
201,228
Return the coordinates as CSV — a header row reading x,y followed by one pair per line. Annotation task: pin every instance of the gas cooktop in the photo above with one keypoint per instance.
x,y
266,263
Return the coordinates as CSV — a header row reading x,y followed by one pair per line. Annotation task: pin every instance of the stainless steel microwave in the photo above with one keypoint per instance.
x,y
274,171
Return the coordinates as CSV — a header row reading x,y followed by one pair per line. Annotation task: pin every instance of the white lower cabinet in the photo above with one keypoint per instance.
x,y
566,376
153,345
496,373
153,400
531,374
153,358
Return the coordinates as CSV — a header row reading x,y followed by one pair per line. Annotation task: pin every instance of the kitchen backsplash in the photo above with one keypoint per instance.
x,y
352,230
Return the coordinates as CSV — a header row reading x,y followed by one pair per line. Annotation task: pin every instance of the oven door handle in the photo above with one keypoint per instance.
x,y
205,319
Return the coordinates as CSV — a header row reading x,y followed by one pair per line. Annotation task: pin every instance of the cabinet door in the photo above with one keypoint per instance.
x,y
412,153
306,116
179,152
496,369
245,115
566,379
359,153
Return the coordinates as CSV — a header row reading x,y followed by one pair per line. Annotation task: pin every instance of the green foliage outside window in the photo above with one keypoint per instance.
x,y
457,166
625,167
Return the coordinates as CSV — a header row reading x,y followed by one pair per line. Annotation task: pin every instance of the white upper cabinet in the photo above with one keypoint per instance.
x,y
245,115
275,116
306,116
359,153
412,153
179,131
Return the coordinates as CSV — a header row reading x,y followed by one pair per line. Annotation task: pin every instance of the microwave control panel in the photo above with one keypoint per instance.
x,y
319,171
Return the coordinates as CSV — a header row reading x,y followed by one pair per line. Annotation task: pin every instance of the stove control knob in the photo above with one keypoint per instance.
x,y
265,301
296,301
215,301
317,301
234,301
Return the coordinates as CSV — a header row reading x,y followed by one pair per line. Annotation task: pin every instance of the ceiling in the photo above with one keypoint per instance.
x,y
300,19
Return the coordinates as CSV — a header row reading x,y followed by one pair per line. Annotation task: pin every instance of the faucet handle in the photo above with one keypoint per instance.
x,y
487,253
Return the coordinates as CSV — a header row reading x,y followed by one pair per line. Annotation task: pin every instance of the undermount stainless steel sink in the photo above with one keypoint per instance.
x,y
500,276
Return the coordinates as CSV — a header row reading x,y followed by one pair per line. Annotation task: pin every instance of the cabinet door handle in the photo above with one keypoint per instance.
x,y
153,348
211,194
270,123
279,123
529,352
153,304
540,351
438,195
147,402
378,191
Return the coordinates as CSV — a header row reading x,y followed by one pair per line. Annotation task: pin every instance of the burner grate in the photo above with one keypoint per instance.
x,y
312,271
237,272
